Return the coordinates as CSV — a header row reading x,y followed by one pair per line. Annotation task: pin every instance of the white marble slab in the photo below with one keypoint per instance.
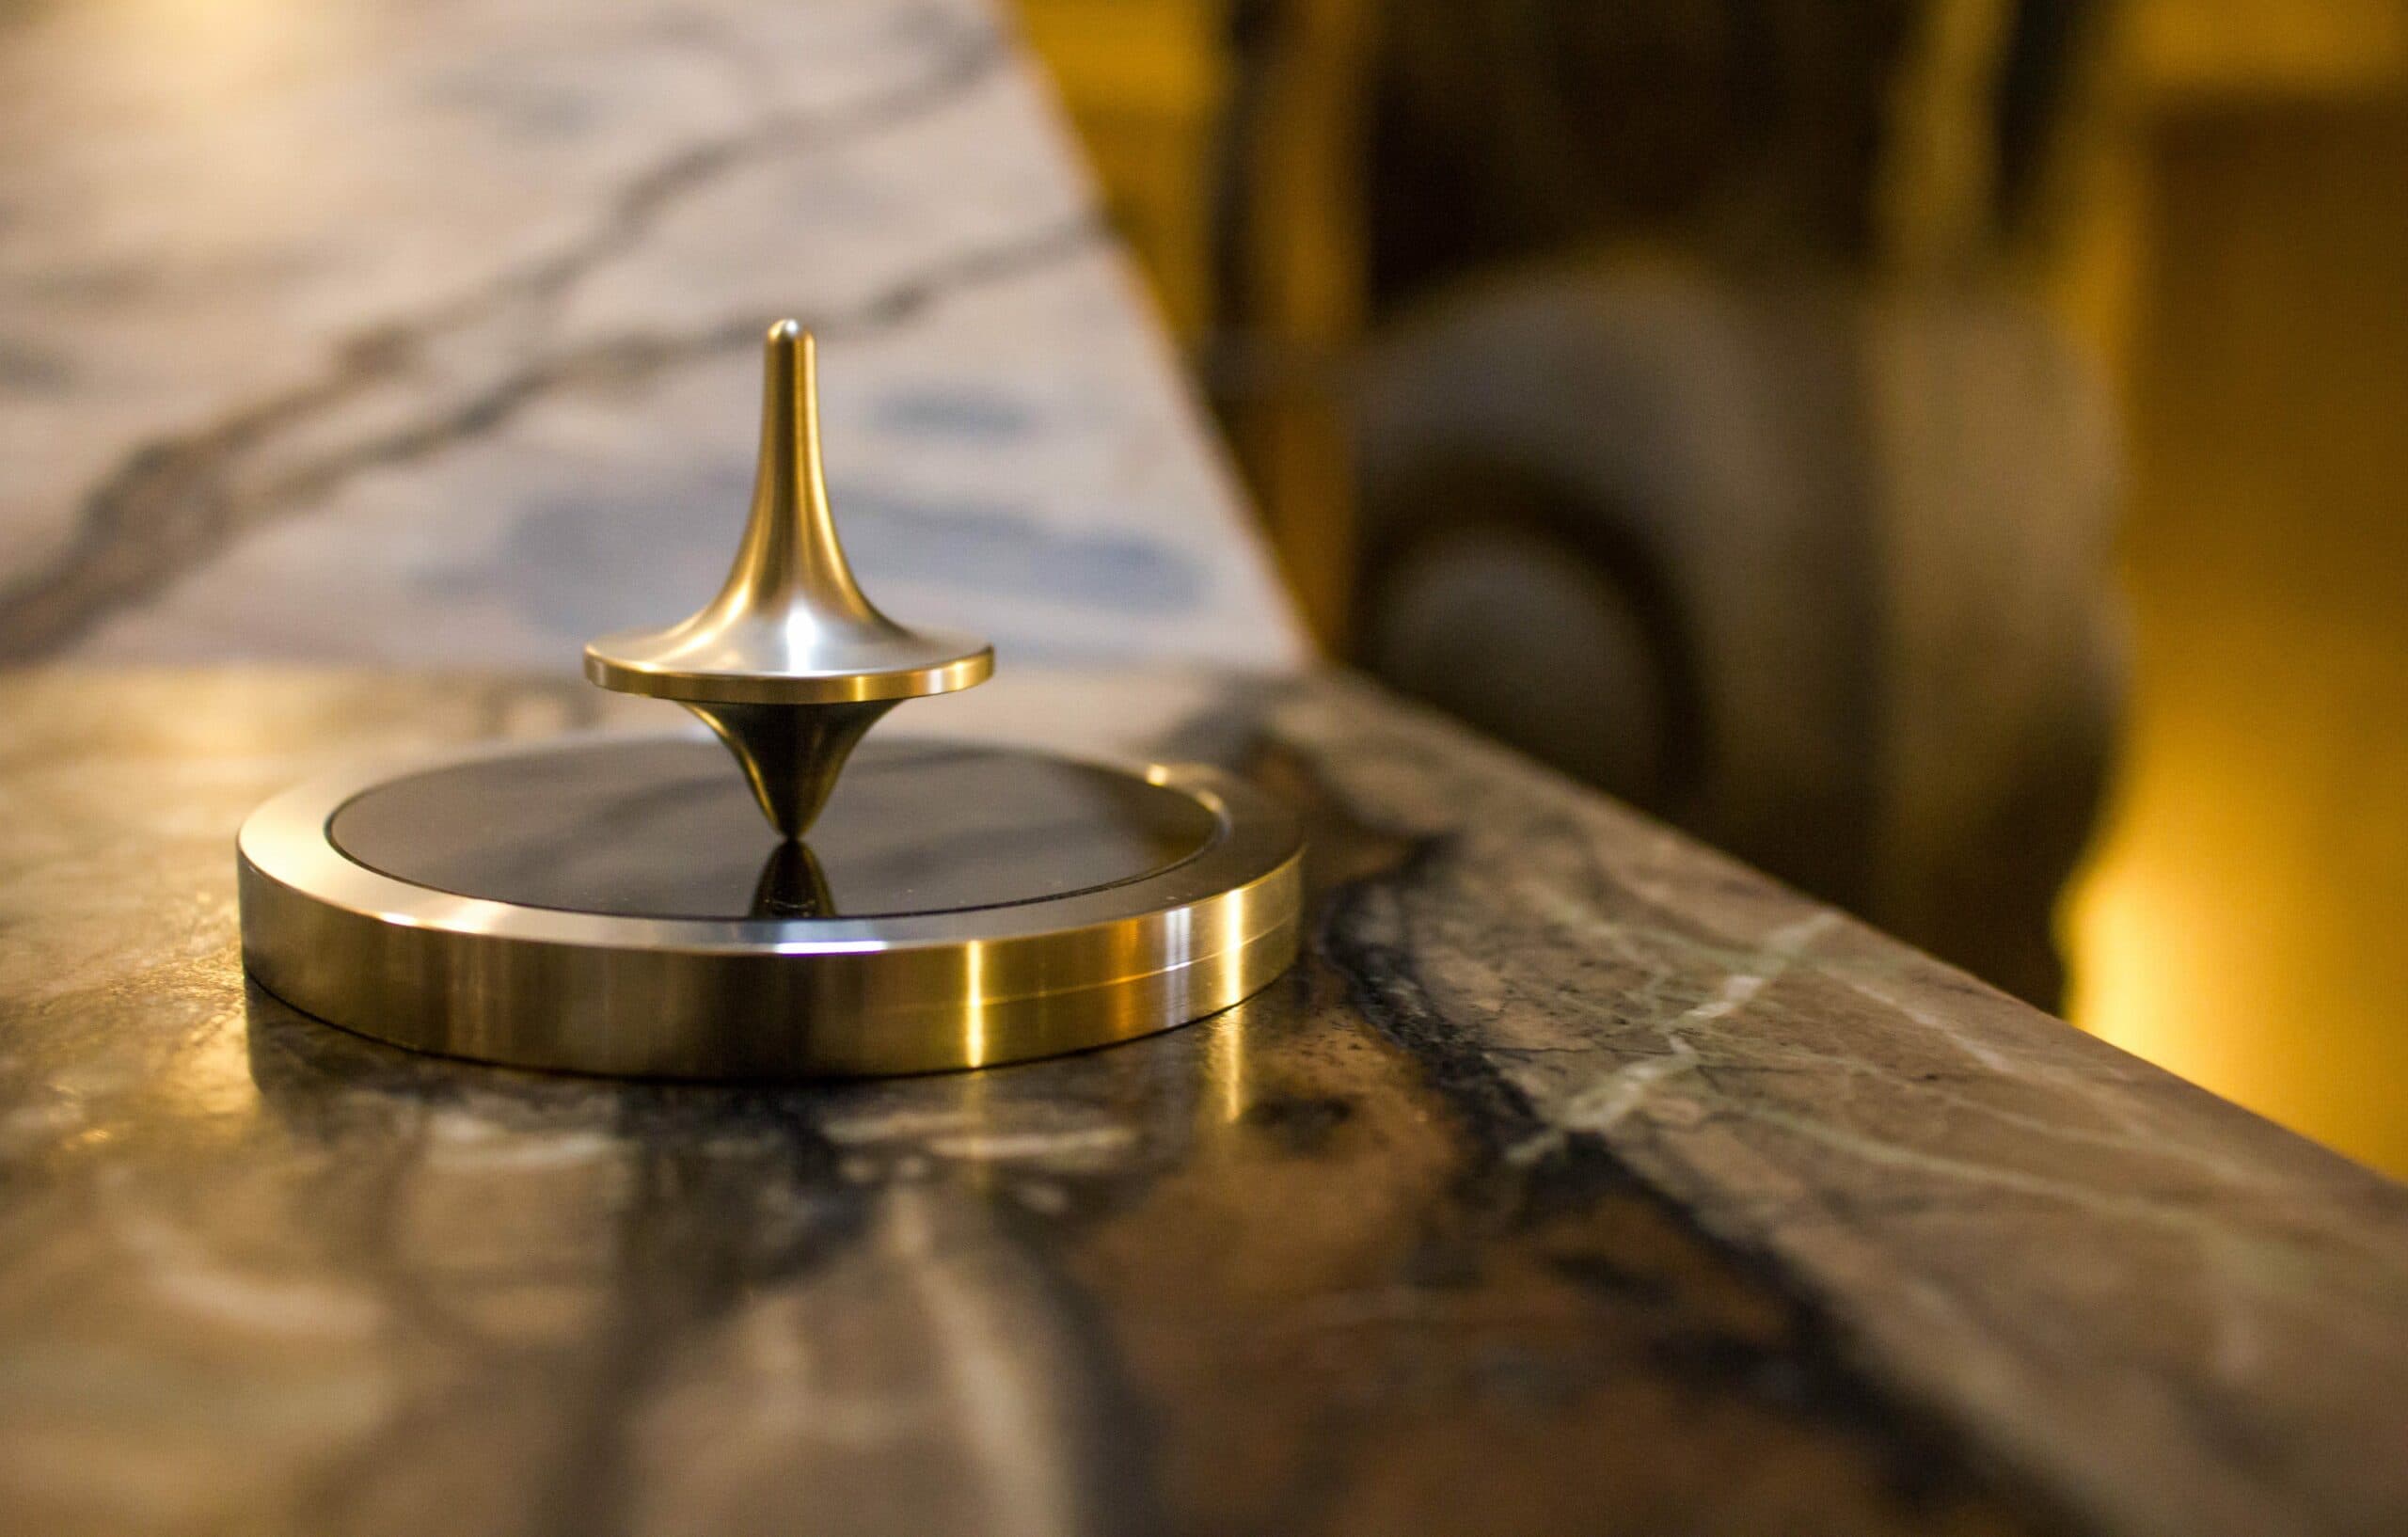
x,y
345,331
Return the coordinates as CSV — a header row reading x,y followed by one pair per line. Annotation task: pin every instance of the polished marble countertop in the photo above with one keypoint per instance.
x,y
1575,1179
364,332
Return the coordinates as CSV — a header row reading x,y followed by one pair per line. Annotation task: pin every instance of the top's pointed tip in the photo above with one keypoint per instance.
x,y
793,382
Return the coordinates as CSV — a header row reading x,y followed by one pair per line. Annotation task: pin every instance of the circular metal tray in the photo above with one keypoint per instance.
x,y
612,904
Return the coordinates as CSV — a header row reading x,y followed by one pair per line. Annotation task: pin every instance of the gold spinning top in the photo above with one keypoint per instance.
x,y
791,664
601,903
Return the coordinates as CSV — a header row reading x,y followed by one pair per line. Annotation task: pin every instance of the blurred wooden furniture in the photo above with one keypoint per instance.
x,y
1661,392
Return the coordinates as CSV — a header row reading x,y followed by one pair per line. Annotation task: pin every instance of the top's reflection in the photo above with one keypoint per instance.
x,y
792,885
665,829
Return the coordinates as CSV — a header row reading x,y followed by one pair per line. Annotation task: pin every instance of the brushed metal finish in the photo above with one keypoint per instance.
x,y
791,664
767,996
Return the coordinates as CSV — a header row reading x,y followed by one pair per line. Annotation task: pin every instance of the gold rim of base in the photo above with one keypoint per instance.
x,y
763,997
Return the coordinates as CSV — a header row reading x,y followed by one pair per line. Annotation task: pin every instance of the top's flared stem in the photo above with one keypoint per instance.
x,y
790,625
790,557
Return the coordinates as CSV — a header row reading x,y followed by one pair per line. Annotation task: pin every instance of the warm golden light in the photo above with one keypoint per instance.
x,y
974,1005
2240,924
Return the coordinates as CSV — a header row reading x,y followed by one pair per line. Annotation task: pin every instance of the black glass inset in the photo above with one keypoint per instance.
x,y
668,830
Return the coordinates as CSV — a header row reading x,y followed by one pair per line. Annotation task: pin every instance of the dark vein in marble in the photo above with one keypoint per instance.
x,y
964,57
170,508
1809,1368
175,500
690,1247
709,1221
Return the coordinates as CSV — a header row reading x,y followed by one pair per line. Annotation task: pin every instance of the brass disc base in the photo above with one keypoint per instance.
x,y
617,905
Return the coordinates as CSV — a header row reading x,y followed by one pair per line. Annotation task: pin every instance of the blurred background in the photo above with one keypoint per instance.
x,y
1951,454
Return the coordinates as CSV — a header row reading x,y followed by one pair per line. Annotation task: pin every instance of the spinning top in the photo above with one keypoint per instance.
x,y
615,903
791,664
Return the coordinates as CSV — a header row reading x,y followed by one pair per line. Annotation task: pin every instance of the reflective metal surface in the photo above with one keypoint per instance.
x,y
791,665
608,905
660,828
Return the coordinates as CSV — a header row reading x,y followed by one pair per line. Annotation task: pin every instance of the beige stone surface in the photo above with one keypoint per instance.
x,y
386,333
